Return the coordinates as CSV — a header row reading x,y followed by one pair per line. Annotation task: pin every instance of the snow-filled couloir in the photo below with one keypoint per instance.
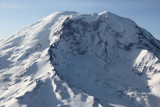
x,y
80,60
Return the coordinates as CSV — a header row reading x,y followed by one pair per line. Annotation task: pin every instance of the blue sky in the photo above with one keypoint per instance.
x,y
16,14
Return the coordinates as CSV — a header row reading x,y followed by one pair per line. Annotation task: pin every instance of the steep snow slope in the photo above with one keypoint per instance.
x,y
80,60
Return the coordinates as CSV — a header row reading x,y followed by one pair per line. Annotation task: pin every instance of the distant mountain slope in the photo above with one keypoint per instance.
x,y
80,60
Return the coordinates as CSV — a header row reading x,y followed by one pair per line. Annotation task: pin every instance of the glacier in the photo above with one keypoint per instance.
x,y
68,59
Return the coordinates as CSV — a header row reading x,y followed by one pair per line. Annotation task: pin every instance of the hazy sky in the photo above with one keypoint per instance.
x,y
16,14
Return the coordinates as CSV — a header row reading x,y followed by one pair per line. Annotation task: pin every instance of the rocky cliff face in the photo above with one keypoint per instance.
x,y
71,59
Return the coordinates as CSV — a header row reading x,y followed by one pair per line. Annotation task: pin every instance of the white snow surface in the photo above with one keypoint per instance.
x,y
69,59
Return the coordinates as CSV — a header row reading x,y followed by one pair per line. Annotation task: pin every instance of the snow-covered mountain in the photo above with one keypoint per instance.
x,y
69,59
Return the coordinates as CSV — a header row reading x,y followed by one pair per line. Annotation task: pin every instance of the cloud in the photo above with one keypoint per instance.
x,y
13,6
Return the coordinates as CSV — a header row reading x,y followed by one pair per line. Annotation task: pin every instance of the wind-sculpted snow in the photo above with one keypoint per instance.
x,y
80,60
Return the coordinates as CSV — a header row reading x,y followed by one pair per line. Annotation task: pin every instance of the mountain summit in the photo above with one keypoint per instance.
x,y
69,59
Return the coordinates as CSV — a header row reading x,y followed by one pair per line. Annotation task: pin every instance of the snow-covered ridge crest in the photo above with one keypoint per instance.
x,y
80,60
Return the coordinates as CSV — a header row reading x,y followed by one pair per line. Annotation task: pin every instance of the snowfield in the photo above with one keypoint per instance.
x,y
69,59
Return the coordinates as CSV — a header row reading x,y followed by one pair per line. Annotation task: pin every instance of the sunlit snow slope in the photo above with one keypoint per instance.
x,y
69,59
